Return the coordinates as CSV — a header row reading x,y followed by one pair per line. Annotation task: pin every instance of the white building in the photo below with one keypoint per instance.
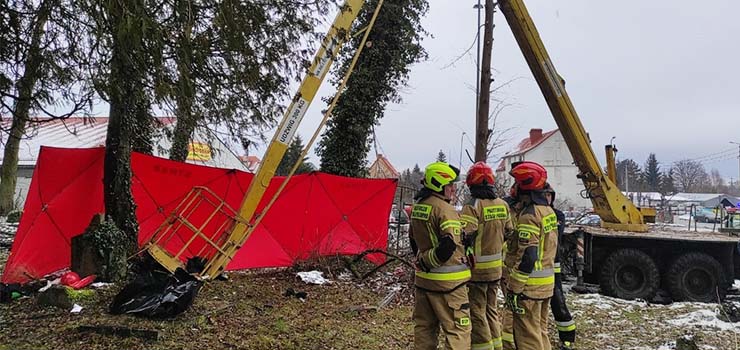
x,y
549,150
77,132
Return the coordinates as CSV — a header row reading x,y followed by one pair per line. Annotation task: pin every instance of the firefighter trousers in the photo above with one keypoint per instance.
x,y
530,328
450,310
484,314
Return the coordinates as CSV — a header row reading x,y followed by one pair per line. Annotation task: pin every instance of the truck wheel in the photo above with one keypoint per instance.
x,y
696,277
630,274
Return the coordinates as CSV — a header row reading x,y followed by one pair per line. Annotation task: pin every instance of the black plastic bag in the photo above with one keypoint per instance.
x,y
157,294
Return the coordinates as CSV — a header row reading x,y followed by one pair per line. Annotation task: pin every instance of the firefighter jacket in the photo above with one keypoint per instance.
x,y
489,219
533,250
434,223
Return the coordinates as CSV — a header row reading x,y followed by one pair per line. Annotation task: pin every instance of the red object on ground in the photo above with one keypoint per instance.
x,y
72,279
316,215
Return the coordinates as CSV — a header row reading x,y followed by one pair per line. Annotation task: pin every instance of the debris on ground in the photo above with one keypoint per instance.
x,y
290,292
313,277
76,309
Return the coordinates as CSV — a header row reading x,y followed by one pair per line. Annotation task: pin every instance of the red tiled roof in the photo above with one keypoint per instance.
x,y
501,166
526,144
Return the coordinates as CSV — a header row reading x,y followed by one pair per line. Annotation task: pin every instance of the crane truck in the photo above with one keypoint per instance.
x,y
625,256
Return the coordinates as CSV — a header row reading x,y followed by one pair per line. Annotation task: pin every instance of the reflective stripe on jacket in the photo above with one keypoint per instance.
x,y
490,218
432,219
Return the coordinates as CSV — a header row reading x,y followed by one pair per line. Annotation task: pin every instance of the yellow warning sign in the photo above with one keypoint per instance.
x,y
199,151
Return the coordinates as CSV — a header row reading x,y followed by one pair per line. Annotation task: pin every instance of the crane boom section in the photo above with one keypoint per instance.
x,y
244,225
615,210
337,35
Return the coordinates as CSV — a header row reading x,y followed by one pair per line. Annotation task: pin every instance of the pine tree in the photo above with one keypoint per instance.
x,y
394,44
667,185
43,71
230,63
291,156
651,174
628,174
441,157
417,175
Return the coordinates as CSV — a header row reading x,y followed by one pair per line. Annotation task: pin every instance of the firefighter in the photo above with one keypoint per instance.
x,y
563,319
442,271
531,279
485,220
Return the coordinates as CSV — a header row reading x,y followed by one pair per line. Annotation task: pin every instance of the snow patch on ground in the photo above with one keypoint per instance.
x,y
603,302
313,277
704,318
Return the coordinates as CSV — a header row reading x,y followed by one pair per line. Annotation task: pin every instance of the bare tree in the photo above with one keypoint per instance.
x,y
498,135
689,175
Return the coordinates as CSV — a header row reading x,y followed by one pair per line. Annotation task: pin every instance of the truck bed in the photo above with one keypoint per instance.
x,y
660,233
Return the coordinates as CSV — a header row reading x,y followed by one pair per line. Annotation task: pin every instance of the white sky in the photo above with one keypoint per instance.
x,y
658,75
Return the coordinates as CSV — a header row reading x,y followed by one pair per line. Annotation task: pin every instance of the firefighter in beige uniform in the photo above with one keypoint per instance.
x,y
485,221
441,293
531,280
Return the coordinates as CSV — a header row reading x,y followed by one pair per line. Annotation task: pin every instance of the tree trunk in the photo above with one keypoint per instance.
x,y
481,124
9,168
186,120
126,104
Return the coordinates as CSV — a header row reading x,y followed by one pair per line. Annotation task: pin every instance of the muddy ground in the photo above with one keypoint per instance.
x,y
250,311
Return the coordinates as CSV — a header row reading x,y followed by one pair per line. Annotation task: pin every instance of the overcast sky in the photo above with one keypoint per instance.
x,y
657,75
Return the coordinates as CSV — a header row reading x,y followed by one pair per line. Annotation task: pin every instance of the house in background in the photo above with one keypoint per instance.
x,y
78,132
382,169
549,150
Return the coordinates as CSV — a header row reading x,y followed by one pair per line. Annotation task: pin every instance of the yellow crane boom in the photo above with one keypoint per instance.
x,y
243,221
616,210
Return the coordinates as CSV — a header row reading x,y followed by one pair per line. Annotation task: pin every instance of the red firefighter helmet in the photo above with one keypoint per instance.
x,y
480,174
530,176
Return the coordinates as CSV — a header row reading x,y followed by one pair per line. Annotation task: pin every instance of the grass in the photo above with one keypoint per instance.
x,y
249,311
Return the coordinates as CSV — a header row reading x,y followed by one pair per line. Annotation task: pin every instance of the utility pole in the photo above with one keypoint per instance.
x,y
484,92
477,60
738,157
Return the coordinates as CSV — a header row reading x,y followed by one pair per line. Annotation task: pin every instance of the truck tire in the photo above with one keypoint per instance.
x,y
630,274
696,277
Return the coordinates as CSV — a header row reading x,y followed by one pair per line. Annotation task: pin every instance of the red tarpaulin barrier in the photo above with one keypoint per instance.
x,y
316,215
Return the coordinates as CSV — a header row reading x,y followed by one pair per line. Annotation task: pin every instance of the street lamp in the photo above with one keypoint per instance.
x,y
461,149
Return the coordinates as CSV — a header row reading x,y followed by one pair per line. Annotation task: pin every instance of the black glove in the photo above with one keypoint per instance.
x,y
567,346
468,242
512,302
